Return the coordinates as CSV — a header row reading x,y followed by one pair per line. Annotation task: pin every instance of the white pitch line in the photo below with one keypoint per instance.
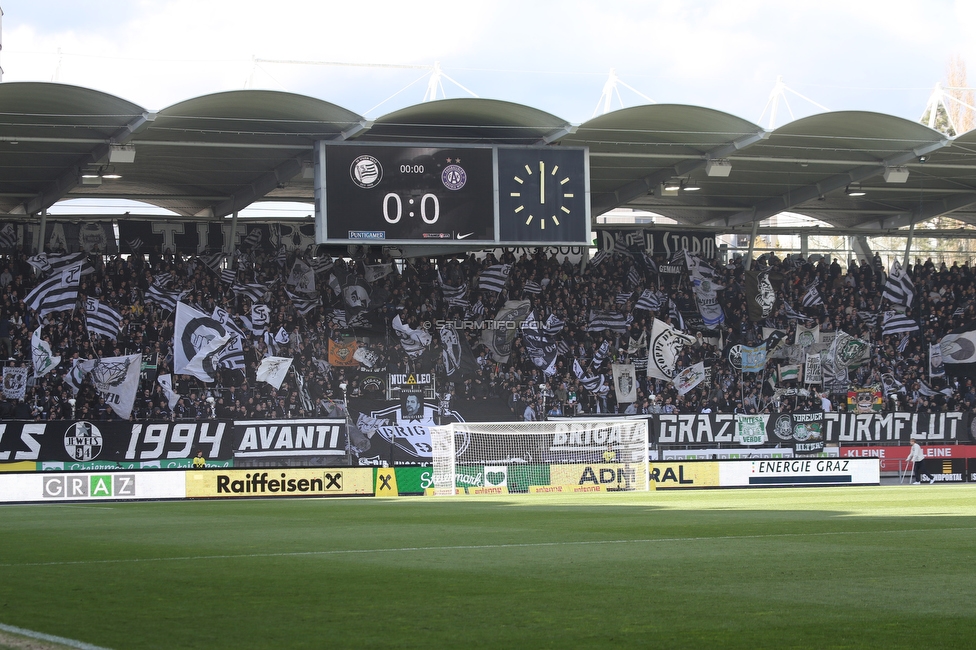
x,y
40,636
475,547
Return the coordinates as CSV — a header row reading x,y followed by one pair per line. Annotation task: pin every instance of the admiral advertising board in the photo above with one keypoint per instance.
x,y
388,193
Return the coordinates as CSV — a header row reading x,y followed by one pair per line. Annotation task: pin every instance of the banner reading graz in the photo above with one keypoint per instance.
x,y
655,242
113,441
845,428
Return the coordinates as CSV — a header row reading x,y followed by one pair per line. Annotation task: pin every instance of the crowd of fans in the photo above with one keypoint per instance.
x,y
944,300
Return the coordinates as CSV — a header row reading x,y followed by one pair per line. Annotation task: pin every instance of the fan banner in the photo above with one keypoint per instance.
x,y
160,236
198,339
683,430
289,442
690,377
117,380
625,382
14,382
662,353
667,243
342,352
154,444
272,370
381,432
801,430
761,291
750,430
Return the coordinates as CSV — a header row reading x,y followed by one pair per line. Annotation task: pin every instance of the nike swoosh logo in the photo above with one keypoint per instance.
x,y
465,236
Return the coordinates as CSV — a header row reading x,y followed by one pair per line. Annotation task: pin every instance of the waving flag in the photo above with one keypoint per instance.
x,y
899,288
101,319
58,293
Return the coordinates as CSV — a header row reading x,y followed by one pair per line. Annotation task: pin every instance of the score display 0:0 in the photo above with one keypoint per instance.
x,y
411,169
399,208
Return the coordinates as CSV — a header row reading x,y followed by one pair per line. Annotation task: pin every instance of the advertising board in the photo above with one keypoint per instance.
x,y
288,482
44,486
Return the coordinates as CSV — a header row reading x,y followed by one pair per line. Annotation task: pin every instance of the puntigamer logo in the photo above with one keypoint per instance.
x,y
92,486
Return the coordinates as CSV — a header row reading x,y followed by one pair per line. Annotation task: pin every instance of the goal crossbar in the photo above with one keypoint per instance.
x,y
521,456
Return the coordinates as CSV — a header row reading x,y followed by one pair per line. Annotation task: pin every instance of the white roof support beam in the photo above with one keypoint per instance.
x,y
928,209
260,187
70,178
777,204
642,186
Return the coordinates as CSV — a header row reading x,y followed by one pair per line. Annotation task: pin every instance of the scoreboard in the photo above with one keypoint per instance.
x,y
487,195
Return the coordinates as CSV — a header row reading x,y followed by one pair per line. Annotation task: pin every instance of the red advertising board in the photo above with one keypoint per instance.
x,y
891,455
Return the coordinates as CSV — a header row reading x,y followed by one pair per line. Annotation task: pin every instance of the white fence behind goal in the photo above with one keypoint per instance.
x,y
532,453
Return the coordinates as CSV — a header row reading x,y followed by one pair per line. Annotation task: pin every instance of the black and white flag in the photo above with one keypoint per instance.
x,y
57,293
117,380
197,342
165,298
899,288
614,321
648,301
895,323
102,319
811,298
254,291
494,278
8,237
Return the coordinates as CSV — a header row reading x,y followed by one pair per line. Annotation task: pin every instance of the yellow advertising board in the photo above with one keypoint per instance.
x,y
279,482
19,466
676,474
607,476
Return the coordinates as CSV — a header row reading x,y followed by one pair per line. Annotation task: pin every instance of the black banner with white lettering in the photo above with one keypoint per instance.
x,y
801,430
120,441
193,238
843,428
289,443
657,242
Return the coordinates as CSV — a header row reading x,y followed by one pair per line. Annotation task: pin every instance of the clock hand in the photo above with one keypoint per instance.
x,y
542,182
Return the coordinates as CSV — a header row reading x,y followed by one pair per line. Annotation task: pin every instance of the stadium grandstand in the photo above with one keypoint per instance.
x,y
824,265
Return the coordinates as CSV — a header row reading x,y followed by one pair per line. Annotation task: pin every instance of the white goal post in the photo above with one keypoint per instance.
x,y
612,454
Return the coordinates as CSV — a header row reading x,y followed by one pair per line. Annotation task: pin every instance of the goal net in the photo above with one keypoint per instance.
x,y
555,456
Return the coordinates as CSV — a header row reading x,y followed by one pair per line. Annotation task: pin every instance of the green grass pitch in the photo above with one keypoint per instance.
x,y
886,567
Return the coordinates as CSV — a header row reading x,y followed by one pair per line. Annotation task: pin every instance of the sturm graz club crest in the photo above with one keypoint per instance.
x,y
83,441
366,171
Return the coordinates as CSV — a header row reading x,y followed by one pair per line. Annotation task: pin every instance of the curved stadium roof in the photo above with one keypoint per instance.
x,y
210,156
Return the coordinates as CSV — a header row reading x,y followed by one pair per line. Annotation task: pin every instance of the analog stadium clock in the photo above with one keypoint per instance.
x,y
542,195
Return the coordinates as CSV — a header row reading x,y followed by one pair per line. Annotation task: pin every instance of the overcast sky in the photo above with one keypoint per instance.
x,y
883,55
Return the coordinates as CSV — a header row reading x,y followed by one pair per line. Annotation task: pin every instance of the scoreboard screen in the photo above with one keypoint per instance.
x,y
388,193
